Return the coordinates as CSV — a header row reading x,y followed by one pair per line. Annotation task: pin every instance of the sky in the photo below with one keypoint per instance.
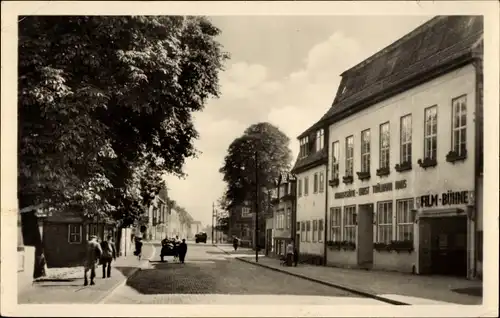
x,y
284,70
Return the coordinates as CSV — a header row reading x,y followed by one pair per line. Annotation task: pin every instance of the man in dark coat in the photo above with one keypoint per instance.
x,y
108,255
182,251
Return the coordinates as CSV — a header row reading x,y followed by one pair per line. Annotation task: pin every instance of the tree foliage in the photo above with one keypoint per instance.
x,y
105,106
263,152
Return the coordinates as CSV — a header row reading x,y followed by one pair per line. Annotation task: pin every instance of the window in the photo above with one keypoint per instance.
x,y
335,160
300,188
246,212
92,229
335,224
308,231
349,156
321,182
384,222
320,139
349,225
288,218
430,132
304,147
404,220
365,150
306,185
315,184
74,233
385,144
303,231
405,153
315,231
320,230
459,135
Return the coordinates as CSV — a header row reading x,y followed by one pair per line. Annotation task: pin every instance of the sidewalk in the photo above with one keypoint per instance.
x,y
404,288
65,285
229,249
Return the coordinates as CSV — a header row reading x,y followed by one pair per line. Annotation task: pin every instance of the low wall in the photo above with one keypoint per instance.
x,y
403,261
25,266
341,258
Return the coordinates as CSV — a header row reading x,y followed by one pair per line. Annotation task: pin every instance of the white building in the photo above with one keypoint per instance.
x,y
405,155
310,170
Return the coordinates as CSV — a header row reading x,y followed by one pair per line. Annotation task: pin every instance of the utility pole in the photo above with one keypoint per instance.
x,y
213,215
256,207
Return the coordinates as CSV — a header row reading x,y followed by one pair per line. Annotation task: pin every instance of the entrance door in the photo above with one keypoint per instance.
x,y
365,236
449,246
424,246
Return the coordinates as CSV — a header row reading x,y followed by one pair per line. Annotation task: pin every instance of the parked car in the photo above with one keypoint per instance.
x,y
201,237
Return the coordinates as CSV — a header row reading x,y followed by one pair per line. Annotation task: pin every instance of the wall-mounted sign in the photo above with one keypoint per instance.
x,y
444,199
378,188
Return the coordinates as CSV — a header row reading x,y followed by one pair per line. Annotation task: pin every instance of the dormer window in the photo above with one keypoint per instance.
x,y
320,139
304,147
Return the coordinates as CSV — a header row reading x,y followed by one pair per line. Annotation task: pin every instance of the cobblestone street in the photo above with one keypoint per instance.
x,y
211,276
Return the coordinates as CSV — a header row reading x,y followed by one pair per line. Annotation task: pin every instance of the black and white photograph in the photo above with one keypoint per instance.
x,y
334,154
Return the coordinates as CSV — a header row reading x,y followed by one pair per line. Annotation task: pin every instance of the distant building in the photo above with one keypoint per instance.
x,y
241,223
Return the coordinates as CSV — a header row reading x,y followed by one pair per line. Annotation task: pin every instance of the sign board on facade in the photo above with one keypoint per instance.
x,y
444,199
377,188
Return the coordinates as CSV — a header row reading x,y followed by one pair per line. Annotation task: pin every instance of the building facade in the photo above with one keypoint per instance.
x,y
241,224
311,171
283,201
158,213
405,155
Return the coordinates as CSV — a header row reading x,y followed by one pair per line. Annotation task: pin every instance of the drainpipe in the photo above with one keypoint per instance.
x,y
325,234
477,144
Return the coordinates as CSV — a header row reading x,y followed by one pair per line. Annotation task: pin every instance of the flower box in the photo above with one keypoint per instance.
x,y
333,183
338,245
364,175
397,246
427,162
383,171
452,156
404,166
347,179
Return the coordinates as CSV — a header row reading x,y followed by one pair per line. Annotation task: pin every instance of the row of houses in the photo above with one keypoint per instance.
x,y
391,177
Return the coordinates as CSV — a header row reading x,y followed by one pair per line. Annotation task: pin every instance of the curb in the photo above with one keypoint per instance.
x,y
132,274
348,289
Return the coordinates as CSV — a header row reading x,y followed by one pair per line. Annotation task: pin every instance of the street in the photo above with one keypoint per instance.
x,y
211,276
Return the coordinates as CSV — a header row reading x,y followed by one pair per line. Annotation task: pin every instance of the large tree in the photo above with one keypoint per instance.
x,y
105,105
105,108
260,154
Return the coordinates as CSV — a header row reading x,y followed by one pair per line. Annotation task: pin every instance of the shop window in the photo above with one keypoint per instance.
x,y
365,150
335,224
349,156
321,182
385,145
430,133
74,233
384,222
315,183
459,135
404,220
315,231
405,151
308,231
349,224
335,160
306,185
320,230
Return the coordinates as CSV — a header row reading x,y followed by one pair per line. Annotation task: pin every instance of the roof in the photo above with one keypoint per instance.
x,y
314,159
441,42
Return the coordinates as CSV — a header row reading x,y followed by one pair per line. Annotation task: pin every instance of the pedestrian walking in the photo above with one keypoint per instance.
x,y
235,243
92,255
289,253
138,247
182,251
108,255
